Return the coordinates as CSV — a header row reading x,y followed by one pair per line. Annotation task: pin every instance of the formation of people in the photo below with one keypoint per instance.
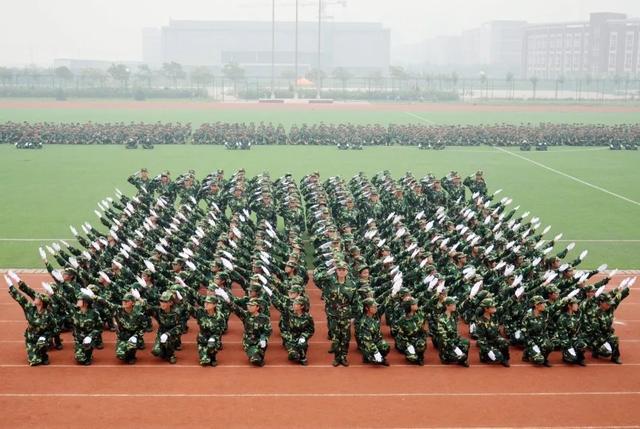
x,y
347,135
425,256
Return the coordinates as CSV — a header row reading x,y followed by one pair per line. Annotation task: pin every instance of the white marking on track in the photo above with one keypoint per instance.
x,y
316,395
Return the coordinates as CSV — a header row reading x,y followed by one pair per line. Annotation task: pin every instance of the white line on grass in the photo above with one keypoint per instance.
x,y
38,239
315,395
591,185
599,241
428,121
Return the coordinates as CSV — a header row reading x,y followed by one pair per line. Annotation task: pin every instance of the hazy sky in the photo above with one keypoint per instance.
x,y
36,31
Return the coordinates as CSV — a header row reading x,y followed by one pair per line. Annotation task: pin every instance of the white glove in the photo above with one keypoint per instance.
x,y
73,230
491,355
164,338
458,352
572,352
133,340
141,281
14,277
267,290
8,280
223,294
608,347
571,246
584,254
56,247
87,340
411,350
47,287
56,275
135,293
377,357
43,254
263,344
301,341
41,339
88,292
518,334
179,296
536,349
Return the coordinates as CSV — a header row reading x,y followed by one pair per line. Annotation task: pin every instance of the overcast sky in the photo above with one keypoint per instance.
x,y
37,31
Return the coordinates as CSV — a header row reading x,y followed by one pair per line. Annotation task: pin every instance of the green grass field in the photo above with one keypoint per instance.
x,y
43,192
289,117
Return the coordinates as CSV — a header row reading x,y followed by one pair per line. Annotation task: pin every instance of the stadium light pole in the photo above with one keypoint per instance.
x,y
295,81
318,77
273,46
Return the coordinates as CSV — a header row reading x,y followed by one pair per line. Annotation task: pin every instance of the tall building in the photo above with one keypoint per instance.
x,y
359,47
606,44
495,47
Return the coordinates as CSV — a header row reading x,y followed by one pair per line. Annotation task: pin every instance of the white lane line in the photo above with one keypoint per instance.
x,y
315,395
591,185
38,239
420,117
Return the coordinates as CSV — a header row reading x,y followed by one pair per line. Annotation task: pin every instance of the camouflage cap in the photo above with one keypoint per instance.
x,y
572,300
211,299
552,289
450,300
167,296
488,303
341,265
538,300
254,301
369,302
128,297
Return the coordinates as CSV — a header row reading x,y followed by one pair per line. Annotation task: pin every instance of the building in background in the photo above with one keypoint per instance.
x,y
607,44
360,47
494,48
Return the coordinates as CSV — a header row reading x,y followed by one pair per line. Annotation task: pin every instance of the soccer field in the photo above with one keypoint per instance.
x,y
589,194
298,113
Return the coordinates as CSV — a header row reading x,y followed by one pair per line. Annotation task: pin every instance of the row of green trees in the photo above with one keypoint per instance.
x,y
173,74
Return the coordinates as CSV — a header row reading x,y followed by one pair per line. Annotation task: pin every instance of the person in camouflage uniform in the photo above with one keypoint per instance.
x,y
602,337
212,323
476,185
538,345
87,326
570,335
452,348
169,328
257,329
411,332
296,325
39,319
493,347
130,323
372,345
341,304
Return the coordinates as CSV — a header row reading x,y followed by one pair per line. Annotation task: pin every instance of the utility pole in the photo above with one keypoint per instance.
x,y
318,77
273,47
295,82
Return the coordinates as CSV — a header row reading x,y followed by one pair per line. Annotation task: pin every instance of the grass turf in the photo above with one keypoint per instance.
x,y
289,117
46,191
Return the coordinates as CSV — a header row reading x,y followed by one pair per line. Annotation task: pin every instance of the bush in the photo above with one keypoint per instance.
x,y
101,92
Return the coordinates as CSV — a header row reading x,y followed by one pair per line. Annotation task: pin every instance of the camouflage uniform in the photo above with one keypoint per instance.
x,y
39,329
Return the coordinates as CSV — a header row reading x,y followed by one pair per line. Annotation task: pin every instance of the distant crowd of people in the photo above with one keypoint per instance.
x,y
244,135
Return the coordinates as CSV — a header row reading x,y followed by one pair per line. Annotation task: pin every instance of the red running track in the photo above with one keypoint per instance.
x,y
154,394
